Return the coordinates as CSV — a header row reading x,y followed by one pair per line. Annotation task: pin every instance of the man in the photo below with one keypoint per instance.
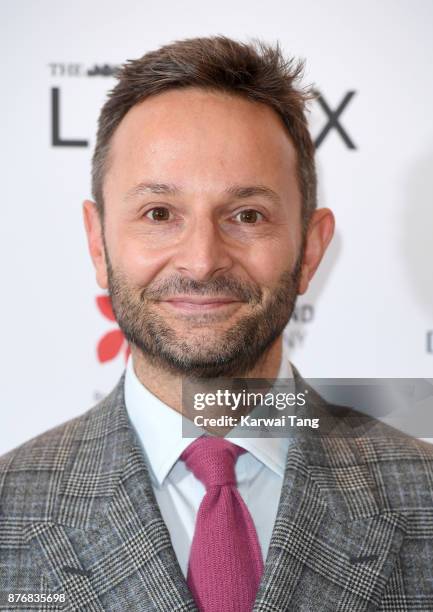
x,y
204,229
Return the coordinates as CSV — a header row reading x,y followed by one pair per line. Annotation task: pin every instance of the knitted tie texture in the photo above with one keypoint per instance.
x,y
225,564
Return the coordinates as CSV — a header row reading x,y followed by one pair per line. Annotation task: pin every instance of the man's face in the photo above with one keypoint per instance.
x,y
202,250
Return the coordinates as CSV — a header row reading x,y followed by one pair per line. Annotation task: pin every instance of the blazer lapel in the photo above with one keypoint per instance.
x,y
333,546
106,545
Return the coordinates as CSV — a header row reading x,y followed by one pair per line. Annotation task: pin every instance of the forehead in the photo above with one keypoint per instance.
x,y
194,136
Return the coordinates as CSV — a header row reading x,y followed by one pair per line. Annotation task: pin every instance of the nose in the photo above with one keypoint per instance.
x,y
202,254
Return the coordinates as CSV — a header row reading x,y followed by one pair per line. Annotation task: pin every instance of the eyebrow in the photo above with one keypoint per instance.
x,y
144,188
239,192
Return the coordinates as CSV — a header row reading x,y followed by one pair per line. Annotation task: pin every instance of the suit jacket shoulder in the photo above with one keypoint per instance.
x,y
360,454
34,474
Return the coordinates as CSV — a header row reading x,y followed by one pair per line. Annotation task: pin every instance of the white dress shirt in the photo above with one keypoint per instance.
x,y
259,471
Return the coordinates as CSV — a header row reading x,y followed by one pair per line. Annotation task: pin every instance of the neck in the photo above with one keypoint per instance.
x,y
168,386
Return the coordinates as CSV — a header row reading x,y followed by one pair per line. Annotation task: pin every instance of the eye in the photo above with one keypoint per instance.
x,y
249,216
159,213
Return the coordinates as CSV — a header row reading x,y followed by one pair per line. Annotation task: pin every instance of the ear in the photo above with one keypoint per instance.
x,y
319,233
93,225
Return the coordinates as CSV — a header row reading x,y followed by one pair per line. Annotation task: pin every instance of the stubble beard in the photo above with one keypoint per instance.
x,y
203,352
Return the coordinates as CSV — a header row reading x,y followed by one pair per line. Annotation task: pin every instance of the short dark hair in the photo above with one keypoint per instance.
x,y
255,71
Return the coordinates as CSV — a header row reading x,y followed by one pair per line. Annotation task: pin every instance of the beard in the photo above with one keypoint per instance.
x,y
203,349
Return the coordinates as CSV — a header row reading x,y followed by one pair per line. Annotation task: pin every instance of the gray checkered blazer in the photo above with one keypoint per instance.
x,y
354,529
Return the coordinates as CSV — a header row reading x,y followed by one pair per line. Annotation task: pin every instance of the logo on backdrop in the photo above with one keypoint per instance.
x,y
333,116
113,342
296,333
59,69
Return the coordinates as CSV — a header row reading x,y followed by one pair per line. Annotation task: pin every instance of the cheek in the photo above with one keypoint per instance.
x,y
137,261
265,263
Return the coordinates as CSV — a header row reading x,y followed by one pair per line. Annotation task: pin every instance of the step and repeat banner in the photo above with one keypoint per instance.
x,y
369,311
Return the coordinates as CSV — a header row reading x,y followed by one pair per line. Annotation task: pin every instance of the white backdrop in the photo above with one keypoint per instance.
x,y
370,310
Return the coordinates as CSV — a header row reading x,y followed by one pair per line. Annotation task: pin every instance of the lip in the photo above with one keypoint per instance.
x,y
188,302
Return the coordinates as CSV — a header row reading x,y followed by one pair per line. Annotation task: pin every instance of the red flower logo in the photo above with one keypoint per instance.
x,y
113,342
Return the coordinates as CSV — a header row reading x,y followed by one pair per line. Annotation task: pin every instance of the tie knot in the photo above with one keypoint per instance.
x,y
212,460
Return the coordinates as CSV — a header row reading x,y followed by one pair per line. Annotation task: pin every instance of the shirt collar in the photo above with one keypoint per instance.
x,y
159,428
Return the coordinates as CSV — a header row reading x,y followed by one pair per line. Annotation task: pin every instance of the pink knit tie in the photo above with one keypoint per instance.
x,y
225,564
